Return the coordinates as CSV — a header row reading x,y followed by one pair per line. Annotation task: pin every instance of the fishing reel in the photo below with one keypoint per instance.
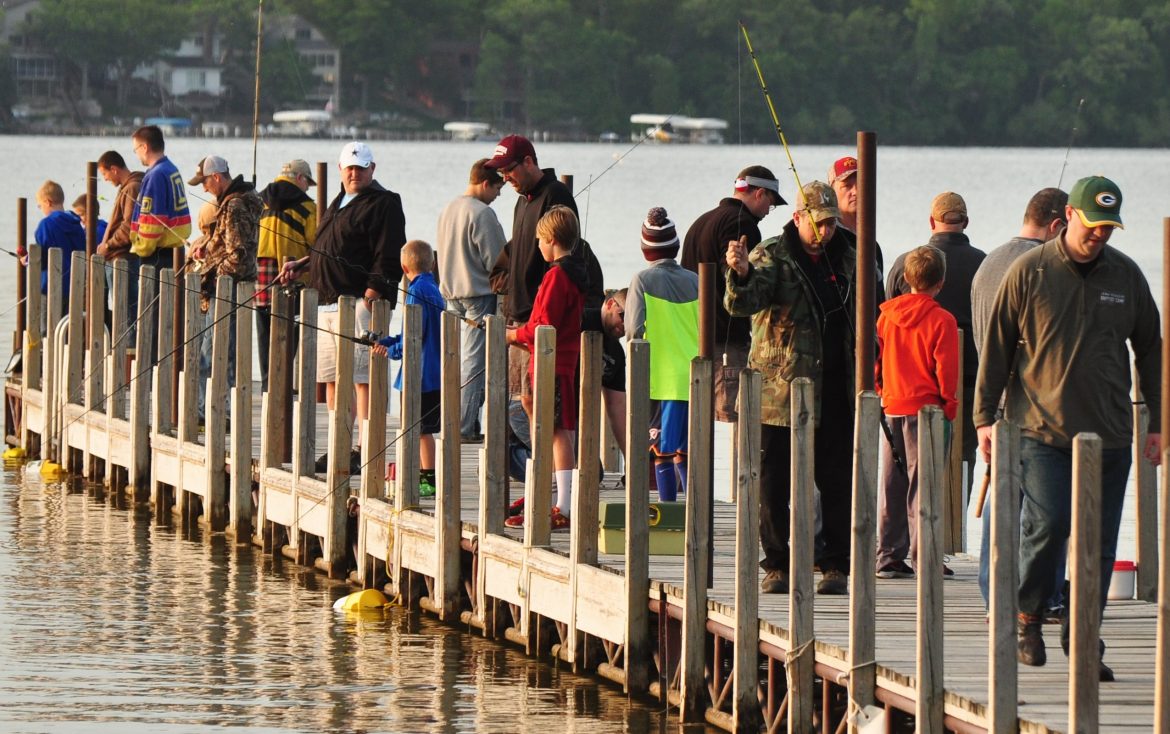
x,y
369,338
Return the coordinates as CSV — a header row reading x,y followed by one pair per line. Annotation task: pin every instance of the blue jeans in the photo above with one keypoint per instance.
x,y
1057,598
474,351
1046,517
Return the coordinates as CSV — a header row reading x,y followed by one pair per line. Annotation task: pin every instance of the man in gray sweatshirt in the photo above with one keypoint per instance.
x,y
470,239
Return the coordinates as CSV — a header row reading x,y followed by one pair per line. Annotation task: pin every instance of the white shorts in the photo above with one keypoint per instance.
x,y
327,345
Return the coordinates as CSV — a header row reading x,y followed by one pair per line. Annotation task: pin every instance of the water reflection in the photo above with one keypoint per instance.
x,y
113,624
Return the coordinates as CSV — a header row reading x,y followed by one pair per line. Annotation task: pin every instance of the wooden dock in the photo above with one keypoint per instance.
x,y
918,654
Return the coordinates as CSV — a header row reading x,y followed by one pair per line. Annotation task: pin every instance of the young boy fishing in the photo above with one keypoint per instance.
x,y
918,365
418,261
662,306
559,303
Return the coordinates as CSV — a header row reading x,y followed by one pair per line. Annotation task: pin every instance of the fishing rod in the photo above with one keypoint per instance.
x,y
256,97
1072,137
645,136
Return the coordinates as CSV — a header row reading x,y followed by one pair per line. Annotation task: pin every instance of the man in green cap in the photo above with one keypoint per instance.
x,y
799,291
1055,348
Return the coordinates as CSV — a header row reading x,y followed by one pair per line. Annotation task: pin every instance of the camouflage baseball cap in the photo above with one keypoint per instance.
x,y
819,200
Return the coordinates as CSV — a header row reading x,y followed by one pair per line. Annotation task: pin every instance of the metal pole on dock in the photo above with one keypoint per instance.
x,y
1162,655
866,291
178,259
91,214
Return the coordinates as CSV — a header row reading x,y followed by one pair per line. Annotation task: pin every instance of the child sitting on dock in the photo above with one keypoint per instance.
x,y
918,365
662,307
418,260
559,303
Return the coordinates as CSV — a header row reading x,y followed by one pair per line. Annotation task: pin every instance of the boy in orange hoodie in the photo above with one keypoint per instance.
x,y
918,365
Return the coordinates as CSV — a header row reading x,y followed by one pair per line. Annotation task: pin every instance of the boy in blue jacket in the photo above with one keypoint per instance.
x,y
418,260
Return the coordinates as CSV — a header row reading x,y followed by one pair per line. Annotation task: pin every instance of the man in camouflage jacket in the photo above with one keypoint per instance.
x,y
798,289
230,249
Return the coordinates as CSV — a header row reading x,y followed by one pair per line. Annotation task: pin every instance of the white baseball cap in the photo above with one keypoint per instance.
x,y
356,154
210,165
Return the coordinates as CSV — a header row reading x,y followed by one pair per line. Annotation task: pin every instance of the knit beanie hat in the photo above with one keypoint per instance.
x,y
658,231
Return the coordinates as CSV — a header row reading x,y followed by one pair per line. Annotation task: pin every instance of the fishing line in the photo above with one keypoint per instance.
x,y
1072,137
645,136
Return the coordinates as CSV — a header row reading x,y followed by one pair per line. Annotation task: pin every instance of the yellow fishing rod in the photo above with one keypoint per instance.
x,y
776,121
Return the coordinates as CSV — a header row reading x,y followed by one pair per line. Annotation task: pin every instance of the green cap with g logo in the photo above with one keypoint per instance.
x,y
1097,201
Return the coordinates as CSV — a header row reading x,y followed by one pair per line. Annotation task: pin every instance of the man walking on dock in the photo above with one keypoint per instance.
x,y
756,192
1056,351
470,240
799,289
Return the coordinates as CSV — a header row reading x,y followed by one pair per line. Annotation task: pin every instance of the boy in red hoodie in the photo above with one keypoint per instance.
x,y
918,365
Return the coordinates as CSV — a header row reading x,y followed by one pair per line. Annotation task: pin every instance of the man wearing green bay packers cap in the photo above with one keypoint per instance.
x,y
1056,349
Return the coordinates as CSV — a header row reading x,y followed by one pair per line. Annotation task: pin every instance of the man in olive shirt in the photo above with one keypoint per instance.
x,y
1056,351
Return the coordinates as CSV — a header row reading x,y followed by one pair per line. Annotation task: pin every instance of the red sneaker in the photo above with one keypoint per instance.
x,y
515,521
559,521
516,508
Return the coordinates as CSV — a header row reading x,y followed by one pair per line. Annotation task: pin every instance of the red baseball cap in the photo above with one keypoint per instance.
x,y
511,150
842,168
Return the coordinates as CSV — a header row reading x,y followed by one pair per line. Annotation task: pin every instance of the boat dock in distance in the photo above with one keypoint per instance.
x,y
690,630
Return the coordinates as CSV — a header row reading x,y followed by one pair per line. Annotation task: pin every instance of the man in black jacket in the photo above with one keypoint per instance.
x,y
359,240
736,218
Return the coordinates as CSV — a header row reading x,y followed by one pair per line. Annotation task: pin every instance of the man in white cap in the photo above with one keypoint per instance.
x,y
1057,350
359,240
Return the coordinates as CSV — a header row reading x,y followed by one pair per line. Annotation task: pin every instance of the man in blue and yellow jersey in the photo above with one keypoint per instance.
x,y
161,220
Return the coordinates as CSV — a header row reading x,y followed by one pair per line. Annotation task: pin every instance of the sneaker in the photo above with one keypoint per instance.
x,y
948,573
895,570
833,582
426,489
775,582
560,521
471,437
516,508
1030,640
514,521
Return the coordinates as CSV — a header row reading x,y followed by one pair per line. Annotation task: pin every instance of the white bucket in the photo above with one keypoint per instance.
x,y
1121,586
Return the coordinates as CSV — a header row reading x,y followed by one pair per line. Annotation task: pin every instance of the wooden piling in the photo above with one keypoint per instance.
x,y
638,647
193,319
22,289
538,487
953,505
863,556
1146,505
866,259
305,411
705,431
49,382
215,509
1003,671
91,218
240,499
583,545
406,488
335,547
178,263
278,426
161,408
119,341
698,543
140,389
373,482
494,454
448,501
801,708
34,339
1084,557
928,709
745,707
75,355
95,346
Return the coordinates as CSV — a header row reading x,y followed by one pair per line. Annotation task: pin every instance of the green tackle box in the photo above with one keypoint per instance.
x,y
667,521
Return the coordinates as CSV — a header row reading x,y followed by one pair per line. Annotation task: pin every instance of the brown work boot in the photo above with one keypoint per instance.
x,y
775,582
1030,640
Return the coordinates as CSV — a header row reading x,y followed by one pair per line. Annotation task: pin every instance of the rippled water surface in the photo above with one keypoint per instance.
x,y
111,624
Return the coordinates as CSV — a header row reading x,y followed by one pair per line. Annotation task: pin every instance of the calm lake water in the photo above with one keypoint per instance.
x,y
115,625
112,624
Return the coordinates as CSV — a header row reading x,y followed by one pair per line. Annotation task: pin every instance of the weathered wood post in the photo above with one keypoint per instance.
x,y
139,471
278,422
22,289
91,218
538,486
305,411
188,421
493,456
953,506
587,478
801,653
119,333
698,543
1003,670
745,706
1146,507
240,502
47,377
178,264
638,647
215,406
373,482
1162,656
928,709
406,470
448,534
340,443
75,358
161,408
1084,556
95,399
862,591
33,342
